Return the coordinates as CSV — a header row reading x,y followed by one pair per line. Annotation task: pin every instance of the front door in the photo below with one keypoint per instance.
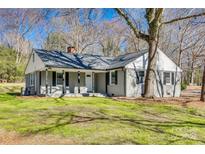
x,y
88,81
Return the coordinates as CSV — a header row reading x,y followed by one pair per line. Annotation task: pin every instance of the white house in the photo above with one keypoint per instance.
x,y
55,73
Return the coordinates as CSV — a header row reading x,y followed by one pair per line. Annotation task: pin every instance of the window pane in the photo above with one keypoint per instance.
x,y
140,77
166,78
59,78
141,73
32,79
113,76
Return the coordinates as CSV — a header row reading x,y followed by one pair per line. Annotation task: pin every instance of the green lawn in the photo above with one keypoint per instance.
x,y
10,87
91,120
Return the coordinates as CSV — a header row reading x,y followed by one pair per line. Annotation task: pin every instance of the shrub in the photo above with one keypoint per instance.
x,y
183,86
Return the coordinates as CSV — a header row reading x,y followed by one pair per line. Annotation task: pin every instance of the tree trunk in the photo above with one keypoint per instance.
x,y
150,75
192,78
202,87
192,74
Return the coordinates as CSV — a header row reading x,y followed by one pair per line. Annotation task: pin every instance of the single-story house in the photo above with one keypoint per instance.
x,y
56,73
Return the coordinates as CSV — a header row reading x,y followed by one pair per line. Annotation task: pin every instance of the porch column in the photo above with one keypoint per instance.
x,y
46,82
78,81
93,82
63,86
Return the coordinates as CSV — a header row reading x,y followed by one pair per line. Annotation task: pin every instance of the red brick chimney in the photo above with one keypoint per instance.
x,y
71,49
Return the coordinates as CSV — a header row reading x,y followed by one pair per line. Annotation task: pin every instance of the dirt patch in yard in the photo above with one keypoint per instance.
x,y
189,98
14,138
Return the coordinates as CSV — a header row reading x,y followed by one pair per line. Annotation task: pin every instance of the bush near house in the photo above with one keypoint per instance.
x,y
183,86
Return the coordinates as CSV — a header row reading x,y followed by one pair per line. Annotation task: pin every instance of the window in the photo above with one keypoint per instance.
x,y
32,79
113,77
167,78
59,77
140,77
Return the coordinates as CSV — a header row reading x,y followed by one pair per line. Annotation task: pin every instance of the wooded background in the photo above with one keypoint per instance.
x,y
179,33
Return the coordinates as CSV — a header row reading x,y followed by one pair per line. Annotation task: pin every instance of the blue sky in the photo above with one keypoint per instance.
x,y
107,14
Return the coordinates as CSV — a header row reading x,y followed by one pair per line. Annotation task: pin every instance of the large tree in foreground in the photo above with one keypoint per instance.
x,y
153,17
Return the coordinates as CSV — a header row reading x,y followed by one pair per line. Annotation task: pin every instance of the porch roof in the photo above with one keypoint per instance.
x,y
60,59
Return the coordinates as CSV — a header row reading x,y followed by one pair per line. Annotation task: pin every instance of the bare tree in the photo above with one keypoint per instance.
x,y
17,24
75,28
154,22
203,84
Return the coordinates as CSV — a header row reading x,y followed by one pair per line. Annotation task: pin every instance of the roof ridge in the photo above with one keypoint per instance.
x,y
73,53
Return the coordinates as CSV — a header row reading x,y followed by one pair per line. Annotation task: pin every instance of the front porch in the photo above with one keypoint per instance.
x,y
64,82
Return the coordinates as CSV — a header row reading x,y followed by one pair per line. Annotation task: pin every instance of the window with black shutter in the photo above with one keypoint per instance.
x,y
59,77
167,78
54,79
67,78
113,77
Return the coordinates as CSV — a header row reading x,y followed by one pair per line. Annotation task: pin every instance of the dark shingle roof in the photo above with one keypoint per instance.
x,y
84,61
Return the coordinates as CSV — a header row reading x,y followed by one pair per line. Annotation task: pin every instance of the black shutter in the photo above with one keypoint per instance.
x,y
164,78
66,78
137,78
116,78
40,78
107,78
54,79
173,78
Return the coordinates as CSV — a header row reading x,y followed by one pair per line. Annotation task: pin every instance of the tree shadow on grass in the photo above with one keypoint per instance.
x,y
143,124
14,94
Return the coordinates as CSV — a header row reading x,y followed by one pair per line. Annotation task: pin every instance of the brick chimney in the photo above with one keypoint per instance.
x,y
71,49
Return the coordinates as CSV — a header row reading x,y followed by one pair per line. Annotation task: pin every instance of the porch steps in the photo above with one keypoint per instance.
x,y
79,95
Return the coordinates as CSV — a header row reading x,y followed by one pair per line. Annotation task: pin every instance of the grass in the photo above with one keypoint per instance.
x,y
92,120
10,87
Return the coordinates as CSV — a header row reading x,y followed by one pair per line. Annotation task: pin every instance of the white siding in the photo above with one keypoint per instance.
x,y
34,66
118,89
133,89
163,63
100,83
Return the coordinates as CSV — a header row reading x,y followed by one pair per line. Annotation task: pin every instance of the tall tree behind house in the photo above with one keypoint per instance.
x,y
153,17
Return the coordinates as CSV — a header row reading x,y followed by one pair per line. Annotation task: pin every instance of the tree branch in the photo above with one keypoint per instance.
x,y
184,18
137,33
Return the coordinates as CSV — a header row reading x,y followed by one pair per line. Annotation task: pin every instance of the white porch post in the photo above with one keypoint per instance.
x,y
93,82
46,82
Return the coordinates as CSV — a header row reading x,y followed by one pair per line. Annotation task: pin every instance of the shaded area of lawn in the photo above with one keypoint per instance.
x,y
91,120
11,88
